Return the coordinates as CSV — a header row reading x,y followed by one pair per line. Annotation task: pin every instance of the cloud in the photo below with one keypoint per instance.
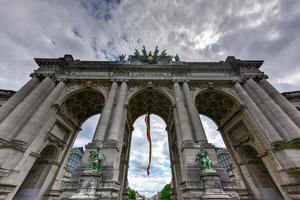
x,y
212,134
160,172
196,30
86,134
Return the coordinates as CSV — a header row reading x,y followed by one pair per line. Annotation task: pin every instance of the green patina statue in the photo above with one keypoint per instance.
x,y
95,160
150,58
204,162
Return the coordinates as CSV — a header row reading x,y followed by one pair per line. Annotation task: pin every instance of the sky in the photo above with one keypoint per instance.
x,y
199,30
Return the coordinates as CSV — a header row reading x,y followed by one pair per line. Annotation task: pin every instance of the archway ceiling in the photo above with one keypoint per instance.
x,y
158,104
82,105
215,105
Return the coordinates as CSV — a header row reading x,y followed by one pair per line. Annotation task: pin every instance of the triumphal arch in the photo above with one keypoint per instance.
x,y
39,124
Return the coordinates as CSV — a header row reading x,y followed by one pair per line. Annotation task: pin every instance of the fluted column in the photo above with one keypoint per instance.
x,y
177,127
278,118
185,126
116,122
36,122
105,115
17,98
289,108
11,121
199,132
265,126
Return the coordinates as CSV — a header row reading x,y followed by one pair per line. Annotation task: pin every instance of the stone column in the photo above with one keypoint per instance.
x,y
11,121
265,126
277,117
17,98
199,132
177,128
36,122
114,132
185,126
105,115
285,105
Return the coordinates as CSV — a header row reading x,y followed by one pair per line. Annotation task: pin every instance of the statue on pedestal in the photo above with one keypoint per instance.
x,y
203,160
95,160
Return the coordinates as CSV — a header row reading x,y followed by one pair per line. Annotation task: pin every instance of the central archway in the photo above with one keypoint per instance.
x,y
157,102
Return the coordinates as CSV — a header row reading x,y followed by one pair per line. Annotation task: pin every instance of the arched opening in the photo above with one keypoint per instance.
x,y
163,137
160,173
35,179
83,108
260,174
216,109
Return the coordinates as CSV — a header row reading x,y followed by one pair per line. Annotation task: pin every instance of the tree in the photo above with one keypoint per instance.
x,y
131,194
165,193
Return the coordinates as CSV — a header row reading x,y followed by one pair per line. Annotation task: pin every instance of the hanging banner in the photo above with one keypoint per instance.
x,y
147,120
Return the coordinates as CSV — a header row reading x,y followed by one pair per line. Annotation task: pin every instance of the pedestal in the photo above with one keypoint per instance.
x,y
212,186
88,184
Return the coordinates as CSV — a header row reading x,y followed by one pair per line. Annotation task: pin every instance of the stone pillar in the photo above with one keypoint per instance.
x,y
23,109
285,105
199,132
177,128
265,126
185,126
17,98
114,132
36,122
105,115
286,127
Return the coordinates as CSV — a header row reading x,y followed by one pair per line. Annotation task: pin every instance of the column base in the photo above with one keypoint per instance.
x,y
208,187
91,186
212,186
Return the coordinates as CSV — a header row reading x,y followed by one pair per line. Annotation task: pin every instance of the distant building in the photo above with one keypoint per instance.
x,y
74,158
223,157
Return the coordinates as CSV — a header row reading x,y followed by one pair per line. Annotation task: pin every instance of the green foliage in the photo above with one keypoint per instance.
x,y
131,194
165,193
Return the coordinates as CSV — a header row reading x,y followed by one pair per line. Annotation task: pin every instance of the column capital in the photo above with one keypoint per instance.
x,y
120,80
178,80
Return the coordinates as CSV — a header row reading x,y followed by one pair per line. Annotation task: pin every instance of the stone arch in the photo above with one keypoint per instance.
x,y
219,105
72,91
157,100
35,184
82,104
